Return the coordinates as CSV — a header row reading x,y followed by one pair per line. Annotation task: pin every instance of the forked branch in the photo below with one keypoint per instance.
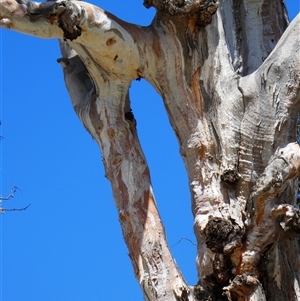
x,y
206,104
9,197
13,190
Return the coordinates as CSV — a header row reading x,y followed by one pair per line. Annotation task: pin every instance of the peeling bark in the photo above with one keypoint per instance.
x,y
230,82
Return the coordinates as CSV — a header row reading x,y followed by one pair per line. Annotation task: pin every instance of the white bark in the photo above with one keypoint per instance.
x,y
232,101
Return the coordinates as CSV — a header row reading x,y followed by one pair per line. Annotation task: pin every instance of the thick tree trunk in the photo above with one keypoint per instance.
x,y
230,82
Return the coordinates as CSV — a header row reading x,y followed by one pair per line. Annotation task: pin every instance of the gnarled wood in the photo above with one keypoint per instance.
x,y
231,90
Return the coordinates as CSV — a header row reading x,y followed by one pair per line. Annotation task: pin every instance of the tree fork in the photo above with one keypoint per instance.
x,y
234,112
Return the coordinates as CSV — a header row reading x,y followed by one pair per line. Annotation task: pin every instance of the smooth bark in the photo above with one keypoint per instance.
x,y
230,82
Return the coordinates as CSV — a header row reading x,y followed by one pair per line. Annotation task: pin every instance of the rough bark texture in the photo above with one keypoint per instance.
x,y
229,76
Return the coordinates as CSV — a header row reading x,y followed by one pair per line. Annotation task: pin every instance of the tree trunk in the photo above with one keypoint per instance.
x,y
229,76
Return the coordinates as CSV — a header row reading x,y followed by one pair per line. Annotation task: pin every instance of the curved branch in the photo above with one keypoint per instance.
x,y
245,287
273,72
11,194
252,30
99,62
113,127
271,98
283,166
110,44
104,109
264,228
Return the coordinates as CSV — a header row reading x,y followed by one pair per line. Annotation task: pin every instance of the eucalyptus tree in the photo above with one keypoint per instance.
x,y
228,73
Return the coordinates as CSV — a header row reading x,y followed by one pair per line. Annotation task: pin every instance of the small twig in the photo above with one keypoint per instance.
x,y
184,238
2,210
1,137
11,195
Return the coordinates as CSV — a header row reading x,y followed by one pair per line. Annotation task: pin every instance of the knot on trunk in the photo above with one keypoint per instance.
x,y
289,218
203,293
203,9
182,294
230,176
35,11
129,117
242,286
222,238
216,233
67,14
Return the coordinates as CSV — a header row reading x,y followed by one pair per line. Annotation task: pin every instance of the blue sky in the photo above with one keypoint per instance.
x,y
68,244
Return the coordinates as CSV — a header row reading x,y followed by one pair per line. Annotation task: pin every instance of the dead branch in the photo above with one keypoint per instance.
x,y
11,195
184,238
2,210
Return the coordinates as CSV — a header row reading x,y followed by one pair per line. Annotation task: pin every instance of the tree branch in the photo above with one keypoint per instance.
x,y
109,43
272,72
103,106
264,228
11,194
252,30
282,167
9,197
271,100
226,125
2,210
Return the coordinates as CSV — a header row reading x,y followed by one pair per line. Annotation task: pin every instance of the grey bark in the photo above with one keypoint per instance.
x,y
229,76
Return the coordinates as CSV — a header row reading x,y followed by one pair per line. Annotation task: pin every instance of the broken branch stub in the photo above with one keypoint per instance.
x,y
283,166
69,16
202,10
224,124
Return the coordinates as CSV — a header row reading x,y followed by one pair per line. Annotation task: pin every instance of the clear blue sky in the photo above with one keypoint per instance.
x,y
68,244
